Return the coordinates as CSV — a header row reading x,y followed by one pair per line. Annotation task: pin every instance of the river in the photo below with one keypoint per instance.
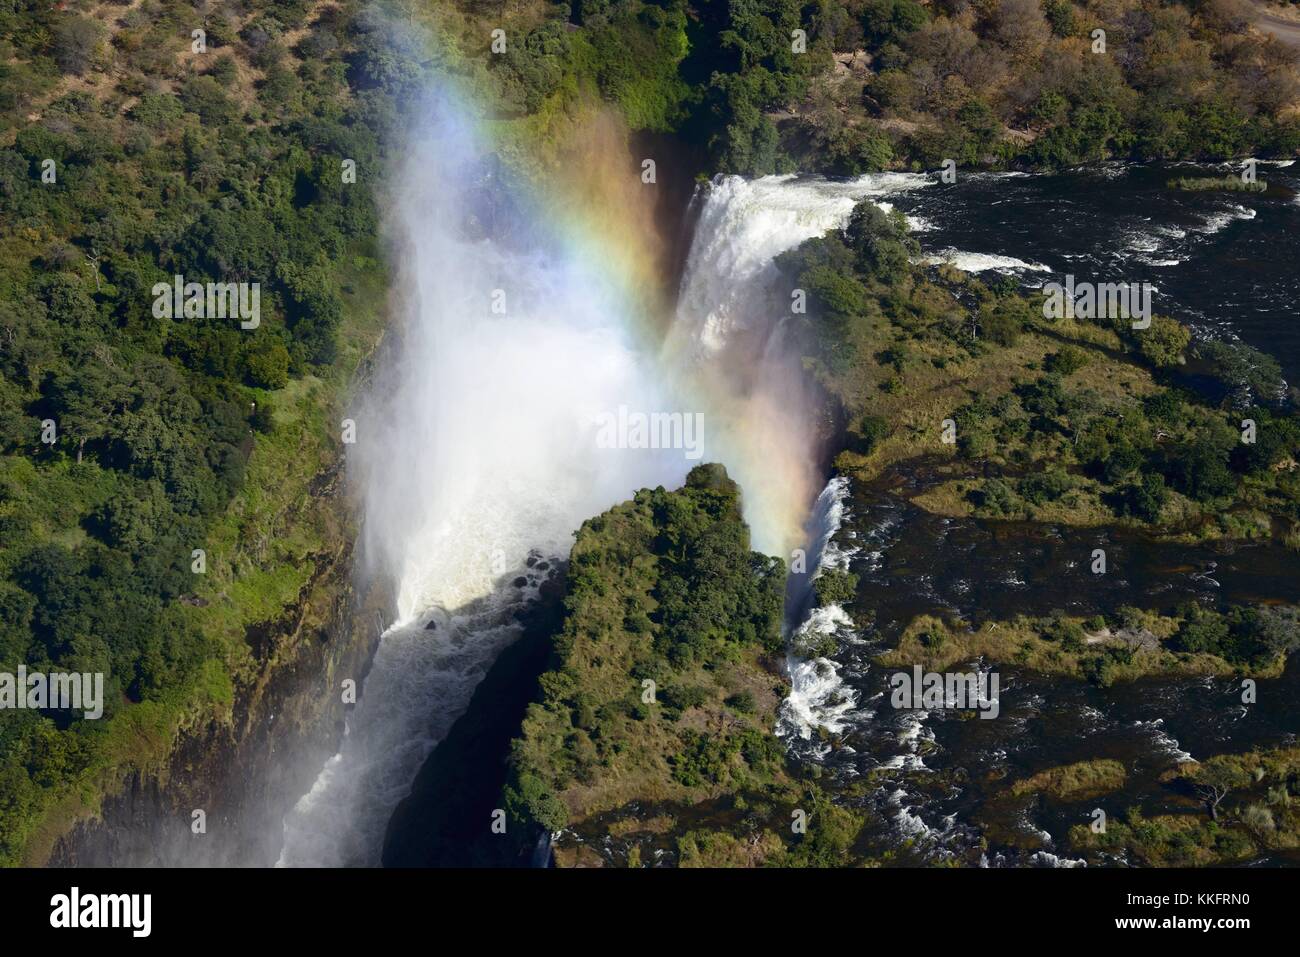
x,y
456,473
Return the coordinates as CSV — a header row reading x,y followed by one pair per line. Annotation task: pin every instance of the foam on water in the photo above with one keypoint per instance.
x,y
730,342
475,449
983,262
819,696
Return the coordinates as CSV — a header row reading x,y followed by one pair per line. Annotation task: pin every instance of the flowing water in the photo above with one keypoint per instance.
x,y
1221,263
476,458
477,453
938,779
477,468
1224,263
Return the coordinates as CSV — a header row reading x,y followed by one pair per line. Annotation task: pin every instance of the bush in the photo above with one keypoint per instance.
x,y
1144,499
1163,343
742,701
1259,819
268,367
873,429
1068,634
702,759
1045,487
1200,470
1203,631
157,111
996,498
206,97
834,586
1069,359
529,800
76,44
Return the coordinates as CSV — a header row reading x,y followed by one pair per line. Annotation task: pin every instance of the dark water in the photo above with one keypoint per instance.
x,y
940,777
1225,263
980,571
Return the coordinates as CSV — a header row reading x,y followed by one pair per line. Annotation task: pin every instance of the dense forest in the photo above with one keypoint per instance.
x,y
128,159
134,149
874,84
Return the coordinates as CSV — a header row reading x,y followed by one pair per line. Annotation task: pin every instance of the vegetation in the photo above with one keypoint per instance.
x,y
1249,804
1088,422
875,84
663,689
1125,645
1197,184
130,443
1074,782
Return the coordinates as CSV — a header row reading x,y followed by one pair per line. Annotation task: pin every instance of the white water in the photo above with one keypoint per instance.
x,y
477,447
731,341
819,696
984,262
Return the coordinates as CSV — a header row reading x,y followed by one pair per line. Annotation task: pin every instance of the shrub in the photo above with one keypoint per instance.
x,y
742,701
834,586
76,44
1069,359
874,429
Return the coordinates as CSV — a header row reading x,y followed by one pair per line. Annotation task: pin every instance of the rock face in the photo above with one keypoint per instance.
x,y
446,820
245,769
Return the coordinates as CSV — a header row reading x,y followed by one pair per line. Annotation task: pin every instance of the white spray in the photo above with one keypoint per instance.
x,y
475,448
478,445
731,337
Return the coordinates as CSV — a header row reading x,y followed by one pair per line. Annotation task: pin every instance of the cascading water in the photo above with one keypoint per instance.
x,y
818,696
476,453
730,315
730,336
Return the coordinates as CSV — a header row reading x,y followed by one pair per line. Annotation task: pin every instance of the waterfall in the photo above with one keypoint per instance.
x,y
475,452
730,337
818,695
475,456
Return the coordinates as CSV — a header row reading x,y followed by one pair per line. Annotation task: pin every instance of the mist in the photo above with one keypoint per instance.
x,y
475,448
518,328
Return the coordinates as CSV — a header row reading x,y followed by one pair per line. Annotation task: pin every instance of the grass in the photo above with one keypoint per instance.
x,y
1074,781
940,378
1260,813
1205,183
937,645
